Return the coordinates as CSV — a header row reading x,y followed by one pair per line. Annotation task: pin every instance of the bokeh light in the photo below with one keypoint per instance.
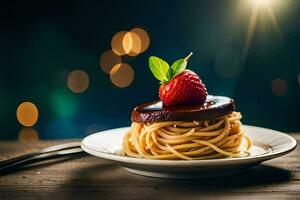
x,y
122,75
78,81
117,43
144,37
27,114
108,60
227,63
28,135
132,44
279,87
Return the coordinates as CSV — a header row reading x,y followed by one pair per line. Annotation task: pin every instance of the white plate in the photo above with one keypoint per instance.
x,y
267,144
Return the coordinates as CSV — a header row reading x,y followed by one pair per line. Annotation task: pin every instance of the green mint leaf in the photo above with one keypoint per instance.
x,y
159,68
178,66
170,74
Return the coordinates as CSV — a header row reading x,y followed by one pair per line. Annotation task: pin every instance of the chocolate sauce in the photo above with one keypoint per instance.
x,y
213,107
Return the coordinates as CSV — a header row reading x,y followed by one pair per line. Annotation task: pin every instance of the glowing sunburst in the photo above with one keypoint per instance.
x,y
259,6
261,2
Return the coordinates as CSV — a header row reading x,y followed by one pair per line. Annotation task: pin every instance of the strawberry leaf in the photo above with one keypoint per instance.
x,y
178,66
170,74
163,72
159,68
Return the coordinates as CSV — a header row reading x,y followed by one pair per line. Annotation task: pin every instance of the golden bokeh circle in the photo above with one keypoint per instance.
x,y
122,75
132,44
117,43
27,114
127,42
28,135
144,37
108,60
78,81
279,87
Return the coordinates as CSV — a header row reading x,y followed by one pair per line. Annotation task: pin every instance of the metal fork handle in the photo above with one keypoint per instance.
x,y
40,157
40,152
18,159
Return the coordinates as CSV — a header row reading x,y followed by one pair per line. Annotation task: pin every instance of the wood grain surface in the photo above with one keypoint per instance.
x,y
88,177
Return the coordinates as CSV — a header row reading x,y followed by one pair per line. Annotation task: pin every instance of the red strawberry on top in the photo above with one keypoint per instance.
x,y
178,85
184,89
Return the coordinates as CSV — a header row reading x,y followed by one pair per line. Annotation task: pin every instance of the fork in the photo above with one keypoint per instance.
x,y
43,154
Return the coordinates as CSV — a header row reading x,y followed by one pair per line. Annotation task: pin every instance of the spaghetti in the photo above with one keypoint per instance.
x,y
222,137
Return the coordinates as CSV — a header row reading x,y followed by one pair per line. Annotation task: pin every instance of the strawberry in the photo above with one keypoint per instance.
x,y
178,85
184,89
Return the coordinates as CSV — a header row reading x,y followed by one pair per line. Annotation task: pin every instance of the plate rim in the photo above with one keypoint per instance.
x,y
220,161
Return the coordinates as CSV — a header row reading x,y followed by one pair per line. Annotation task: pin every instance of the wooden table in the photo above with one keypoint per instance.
x,y
94,178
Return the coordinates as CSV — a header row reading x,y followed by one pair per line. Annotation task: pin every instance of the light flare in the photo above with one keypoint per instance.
x,y
108,60
259,7
27,114
122,75
78,81
131,42
279,87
